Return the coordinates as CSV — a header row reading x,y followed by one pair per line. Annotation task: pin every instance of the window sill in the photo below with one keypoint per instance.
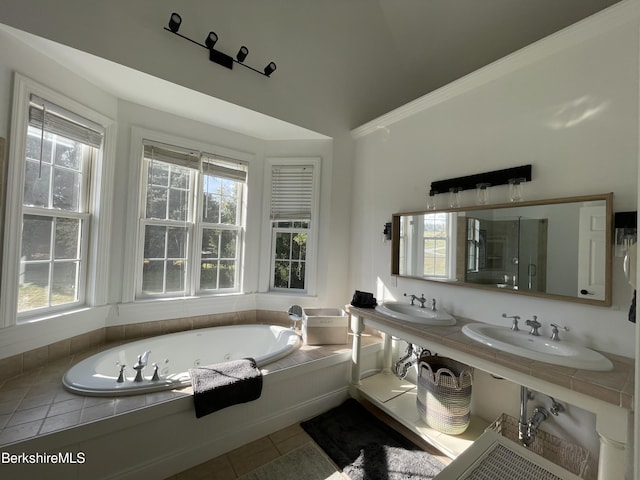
x,y
150,309
36,318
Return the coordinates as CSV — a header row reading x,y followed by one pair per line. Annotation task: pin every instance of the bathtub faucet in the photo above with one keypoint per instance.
x,y
140,364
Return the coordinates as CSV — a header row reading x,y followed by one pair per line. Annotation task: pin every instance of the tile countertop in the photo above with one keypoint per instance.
x,y
615,387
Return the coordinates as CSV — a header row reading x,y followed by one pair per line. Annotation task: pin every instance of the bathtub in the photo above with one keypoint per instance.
x,y
174,354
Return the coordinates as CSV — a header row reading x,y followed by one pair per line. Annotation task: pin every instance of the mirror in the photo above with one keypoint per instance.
x,y
559,248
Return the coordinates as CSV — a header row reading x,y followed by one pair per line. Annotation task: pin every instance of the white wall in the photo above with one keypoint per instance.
x,y
567,105
333,222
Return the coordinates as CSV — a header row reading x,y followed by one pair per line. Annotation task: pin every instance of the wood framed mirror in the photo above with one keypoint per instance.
x,y
558,248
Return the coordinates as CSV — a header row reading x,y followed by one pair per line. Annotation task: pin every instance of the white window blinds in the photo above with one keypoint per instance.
x,y
291,192
57,120
210,164
223,167
170,154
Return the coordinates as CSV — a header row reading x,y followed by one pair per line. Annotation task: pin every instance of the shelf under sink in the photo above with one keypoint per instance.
x,y
397,398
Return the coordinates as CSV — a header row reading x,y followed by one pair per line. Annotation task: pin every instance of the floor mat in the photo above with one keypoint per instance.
x,y
306,462
365,448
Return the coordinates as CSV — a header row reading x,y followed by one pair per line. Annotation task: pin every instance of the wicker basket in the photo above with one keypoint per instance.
x,y
444,394
568,455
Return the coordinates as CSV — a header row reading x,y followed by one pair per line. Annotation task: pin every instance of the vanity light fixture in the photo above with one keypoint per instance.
x,y
217,56
496,177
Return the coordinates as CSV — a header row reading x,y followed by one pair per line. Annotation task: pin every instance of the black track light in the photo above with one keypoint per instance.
x,y
269,69
174,22
217,56
211,40
242,54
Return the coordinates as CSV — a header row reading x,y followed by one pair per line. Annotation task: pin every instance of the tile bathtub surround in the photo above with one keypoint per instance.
x,y
18,364
35,402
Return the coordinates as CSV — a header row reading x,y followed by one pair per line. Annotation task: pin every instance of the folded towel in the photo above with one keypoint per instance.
x,y
224,384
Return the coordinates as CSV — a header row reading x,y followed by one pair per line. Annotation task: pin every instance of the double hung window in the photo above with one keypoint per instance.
x,y
191,222
436,245
60,152
293,206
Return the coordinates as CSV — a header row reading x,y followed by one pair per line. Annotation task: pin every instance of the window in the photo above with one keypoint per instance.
x,y
191,222
292,216
60,151
426,245
436,245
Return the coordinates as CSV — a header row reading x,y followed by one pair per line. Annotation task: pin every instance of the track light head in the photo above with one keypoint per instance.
x,y
211,40
242,54
269,69
174,22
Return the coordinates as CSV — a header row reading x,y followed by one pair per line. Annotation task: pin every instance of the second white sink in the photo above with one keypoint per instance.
x,y
539,348
415,314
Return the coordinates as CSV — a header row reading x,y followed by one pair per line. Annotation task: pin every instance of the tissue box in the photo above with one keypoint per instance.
x,y
325,326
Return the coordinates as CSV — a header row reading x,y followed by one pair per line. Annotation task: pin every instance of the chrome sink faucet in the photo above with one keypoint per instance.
x,y
535,325
421,299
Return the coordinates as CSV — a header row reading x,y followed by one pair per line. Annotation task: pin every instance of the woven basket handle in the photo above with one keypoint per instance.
x,y
449,373
435,377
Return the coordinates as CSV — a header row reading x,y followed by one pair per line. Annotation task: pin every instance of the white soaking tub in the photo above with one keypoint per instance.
x,y
174,354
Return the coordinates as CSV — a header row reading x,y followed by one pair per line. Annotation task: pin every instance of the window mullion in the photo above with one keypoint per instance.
x,y
193,251
164,261
52,246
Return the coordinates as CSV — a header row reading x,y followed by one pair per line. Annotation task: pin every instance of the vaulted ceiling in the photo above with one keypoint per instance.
x,y
340,63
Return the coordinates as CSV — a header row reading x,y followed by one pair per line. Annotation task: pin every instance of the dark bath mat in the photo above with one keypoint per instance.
x,y
365,448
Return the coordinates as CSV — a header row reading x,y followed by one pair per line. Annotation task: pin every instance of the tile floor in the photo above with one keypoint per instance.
x,y
247,458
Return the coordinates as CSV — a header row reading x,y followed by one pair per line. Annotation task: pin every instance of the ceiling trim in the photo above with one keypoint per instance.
x,y
586,29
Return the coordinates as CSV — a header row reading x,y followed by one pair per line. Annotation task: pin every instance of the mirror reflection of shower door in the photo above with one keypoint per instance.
x,y
591,244
532,258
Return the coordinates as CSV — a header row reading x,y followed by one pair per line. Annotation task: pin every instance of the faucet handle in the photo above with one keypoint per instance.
x,y
514,325
555,331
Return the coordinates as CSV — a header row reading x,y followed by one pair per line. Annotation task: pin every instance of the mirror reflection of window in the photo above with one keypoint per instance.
x,y
534,247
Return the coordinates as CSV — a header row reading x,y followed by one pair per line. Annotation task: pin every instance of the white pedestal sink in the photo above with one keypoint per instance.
x,y
415,314
539,348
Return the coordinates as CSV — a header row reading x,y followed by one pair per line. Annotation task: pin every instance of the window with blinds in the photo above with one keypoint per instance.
x,y
191,222
291,192
60,150
291,214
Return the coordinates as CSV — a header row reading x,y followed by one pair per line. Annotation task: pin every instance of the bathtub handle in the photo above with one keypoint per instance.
x,y
121,376
155,377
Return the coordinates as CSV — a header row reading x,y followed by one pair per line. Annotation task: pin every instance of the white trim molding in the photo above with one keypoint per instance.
x,y
97,284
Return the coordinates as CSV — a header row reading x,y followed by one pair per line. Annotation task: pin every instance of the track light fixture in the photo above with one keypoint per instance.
x,y
215,55
174,22
211,39
242,54
269,69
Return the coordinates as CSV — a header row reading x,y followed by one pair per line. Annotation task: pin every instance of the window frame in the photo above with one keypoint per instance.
x,y
93,288
311,256
132,291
